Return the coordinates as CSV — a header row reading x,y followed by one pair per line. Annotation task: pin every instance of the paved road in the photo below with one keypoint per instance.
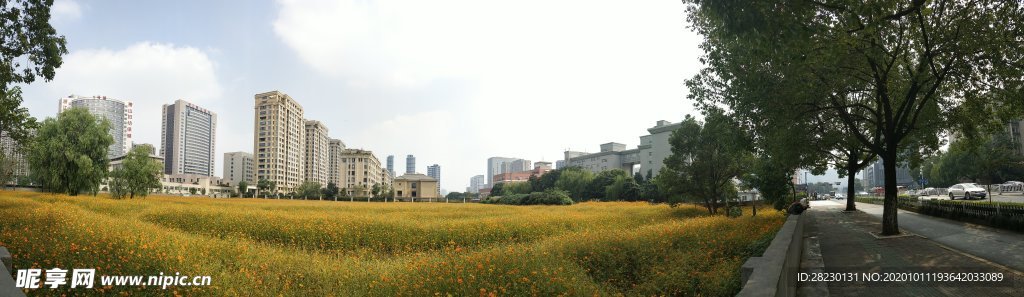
x,y
999,246
846,245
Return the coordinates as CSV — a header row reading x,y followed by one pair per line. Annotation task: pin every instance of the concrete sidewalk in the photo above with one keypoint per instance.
x,y
846,246
999,246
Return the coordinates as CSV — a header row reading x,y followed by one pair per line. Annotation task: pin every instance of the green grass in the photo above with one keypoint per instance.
x,y
316,248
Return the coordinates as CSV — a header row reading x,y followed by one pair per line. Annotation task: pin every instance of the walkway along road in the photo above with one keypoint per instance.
x,y
999,246
846,246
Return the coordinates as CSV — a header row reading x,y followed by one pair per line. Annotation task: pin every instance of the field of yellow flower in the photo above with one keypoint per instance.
x,y
319,248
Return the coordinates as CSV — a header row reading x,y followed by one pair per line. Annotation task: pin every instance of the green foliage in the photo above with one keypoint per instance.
x,y
69,153
575,181
308,189
456,196
137,175
511,188
498,189
772,180
705,158
243,189
30,47
550,197
598,187
988,160
623,188
894,73
266,187
330,191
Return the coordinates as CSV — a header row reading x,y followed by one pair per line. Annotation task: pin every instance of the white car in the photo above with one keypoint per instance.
x,y
966,191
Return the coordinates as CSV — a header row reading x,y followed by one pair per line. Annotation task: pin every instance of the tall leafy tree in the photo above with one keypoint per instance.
x,y
575,181
705,158
29,48
243,188
69,153
308,189
138,175
913,67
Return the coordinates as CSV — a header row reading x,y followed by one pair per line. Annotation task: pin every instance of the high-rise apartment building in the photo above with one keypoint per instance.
x,y
335,149
117,112
360,170
495,166
15,160
391,165
238,167
317,153
435,172
520,165
410,164
188,139
279,142
475,184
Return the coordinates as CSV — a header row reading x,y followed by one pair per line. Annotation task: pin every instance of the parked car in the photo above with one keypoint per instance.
x,y
967,191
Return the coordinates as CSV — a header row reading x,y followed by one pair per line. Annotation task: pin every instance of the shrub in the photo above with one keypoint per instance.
x,y
550,197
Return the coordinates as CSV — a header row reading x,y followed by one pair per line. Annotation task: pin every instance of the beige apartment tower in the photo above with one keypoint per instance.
x,y
238,168
317,152
279,142
360,170
335,149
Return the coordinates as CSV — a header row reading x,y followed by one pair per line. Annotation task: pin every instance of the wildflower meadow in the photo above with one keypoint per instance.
x,y
257,247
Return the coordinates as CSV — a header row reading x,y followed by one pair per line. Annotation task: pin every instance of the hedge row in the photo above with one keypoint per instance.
x,y
550,197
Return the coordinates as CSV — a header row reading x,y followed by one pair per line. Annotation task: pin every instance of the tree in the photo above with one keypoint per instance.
x,y
914,68
623,188
511,188
988,160
264,186
497,189
192,191
7,165
376,190
574,180
771,179
548,180
308,189
455,196
31,48
331,191
69,153
705,158
243,188
598,187
138,175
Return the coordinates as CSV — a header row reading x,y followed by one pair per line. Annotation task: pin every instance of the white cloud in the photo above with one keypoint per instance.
x,y
149,74
65,10
539,76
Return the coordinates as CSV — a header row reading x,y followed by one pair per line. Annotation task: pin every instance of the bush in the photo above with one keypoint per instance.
x,y
550,197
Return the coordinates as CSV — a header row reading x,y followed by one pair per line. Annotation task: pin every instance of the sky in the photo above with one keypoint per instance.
x,y
452,82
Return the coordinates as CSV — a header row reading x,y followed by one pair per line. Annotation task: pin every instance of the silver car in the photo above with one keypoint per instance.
x,y
966,191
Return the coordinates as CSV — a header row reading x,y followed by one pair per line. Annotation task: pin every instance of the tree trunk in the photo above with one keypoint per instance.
x,y
753,204
851,179
890,225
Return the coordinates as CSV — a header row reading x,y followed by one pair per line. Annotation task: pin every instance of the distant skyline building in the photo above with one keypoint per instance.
x,y
238,167
317,153
435,172
559,164
117,112
360,171
15,152
649,155
279,143
410,164
520,165
495,166
188,135
475,184
391,165
335,150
